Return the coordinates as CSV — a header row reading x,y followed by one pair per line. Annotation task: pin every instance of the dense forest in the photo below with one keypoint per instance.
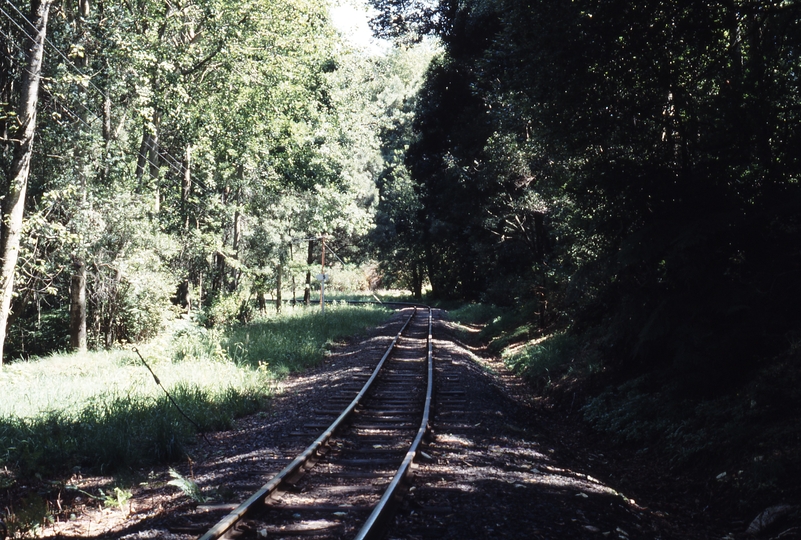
x,y
616,184
632,169
185,151
628,172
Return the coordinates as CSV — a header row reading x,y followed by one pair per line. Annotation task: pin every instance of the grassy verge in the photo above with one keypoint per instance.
x,y
541,357
103,409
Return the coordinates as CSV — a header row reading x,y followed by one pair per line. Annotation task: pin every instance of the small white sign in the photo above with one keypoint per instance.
x,y
322,277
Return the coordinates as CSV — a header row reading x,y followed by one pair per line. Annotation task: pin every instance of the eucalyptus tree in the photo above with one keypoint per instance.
x,y
397,237
263,129
196,118
19,129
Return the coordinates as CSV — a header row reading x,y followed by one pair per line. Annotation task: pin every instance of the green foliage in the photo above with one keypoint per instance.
x,y
747,432
197,343
398,227
226,309
542,357
28,519
649,414
475,314
187,486
103,410
209,136
348,279
37,333
594,159
510,326
143,298
118,498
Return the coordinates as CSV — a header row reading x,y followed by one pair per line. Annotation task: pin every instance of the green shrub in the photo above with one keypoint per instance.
x,y
751,426
197,343
132,307
37,333
475,314
348,279
544,356
227,309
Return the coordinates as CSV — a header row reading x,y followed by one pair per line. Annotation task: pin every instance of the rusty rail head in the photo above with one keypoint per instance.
x,y
373,527
226,523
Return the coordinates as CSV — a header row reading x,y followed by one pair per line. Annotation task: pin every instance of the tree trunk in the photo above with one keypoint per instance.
x,y
78,279
14,201
105,167
78,308
7,82
153,159
541,238
233,285
111,325
149,158
278,285
186,185
417,281
291,273
200,289
309,261
219,273
430,268
141,158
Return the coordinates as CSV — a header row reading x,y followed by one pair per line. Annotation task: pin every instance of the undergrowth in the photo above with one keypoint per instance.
x,y
529,351
296,339
741,436
746,437
103,410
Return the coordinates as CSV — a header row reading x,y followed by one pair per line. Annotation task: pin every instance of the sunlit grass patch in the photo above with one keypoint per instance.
x,y
542,356
64,384
105,410
297,338
474,314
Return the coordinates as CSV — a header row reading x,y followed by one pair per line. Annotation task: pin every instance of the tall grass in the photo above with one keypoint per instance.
x,y
297,338
104,409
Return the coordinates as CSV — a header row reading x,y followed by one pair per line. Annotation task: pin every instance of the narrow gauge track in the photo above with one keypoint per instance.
x,y
345,483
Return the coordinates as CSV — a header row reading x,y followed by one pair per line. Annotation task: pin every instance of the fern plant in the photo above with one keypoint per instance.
x,y
187,486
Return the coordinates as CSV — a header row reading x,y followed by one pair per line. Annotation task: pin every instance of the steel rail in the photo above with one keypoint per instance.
x,y
225,524
372,528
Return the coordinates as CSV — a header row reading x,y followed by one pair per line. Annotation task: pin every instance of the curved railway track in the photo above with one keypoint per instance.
x,y
345,484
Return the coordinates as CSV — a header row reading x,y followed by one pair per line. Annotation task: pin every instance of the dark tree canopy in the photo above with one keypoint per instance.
x,y
633,168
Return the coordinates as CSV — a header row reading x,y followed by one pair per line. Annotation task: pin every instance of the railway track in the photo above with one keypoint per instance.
x,y
345,484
